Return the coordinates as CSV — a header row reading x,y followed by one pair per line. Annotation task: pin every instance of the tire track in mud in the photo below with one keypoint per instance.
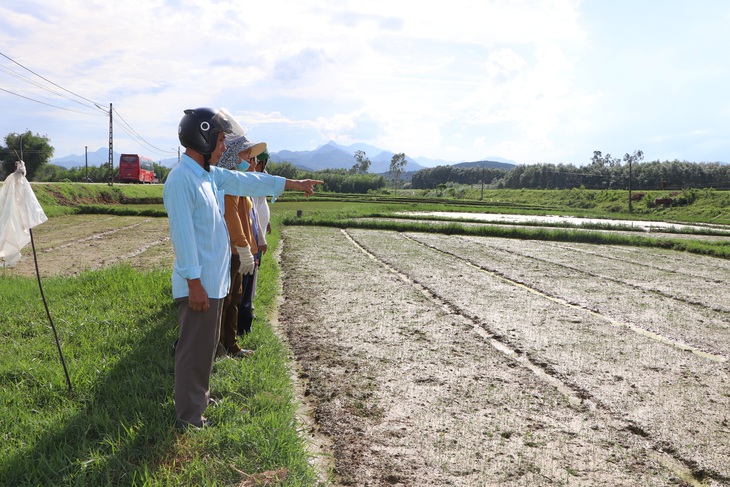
x,y
686,467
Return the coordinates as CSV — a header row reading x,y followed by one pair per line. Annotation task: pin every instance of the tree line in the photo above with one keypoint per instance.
x,y
335,180
357,179
432,177
603,172
653,175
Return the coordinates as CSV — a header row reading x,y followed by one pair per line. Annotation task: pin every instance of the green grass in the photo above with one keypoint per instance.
x,y
64,198
116,327
123,210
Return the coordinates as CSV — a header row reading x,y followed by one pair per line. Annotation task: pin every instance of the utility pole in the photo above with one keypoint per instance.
x,y
631,208
481,198
637,156
86,158
111,148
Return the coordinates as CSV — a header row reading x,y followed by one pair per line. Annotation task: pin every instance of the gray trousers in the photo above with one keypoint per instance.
x,y
194,355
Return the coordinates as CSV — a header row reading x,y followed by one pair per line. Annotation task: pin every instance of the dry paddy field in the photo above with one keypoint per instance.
x,y
444,360
432,360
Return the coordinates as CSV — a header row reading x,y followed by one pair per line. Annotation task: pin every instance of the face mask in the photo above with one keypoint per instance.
x,y
242,167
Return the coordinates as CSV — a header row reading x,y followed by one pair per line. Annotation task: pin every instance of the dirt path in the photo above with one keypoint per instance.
x,y
436,360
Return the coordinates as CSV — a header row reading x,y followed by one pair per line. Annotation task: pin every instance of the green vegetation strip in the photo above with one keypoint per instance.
x,y
712,248
679,228
135,210
116,327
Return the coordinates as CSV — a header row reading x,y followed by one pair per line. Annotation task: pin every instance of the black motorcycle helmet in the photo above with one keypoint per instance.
x,y
199,129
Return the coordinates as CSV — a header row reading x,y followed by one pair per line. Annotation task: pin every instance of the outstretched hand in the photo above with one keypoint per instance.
x,y
306,185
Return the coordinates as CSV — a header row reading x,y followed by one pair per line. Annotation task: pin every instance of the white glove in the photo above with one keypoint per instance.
x,y
247,263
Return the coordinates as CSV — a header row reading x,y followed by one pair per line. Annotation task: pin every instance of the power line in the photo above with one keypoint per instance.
x,y
25,151
41,86
149,146
127,128
49,81
44,103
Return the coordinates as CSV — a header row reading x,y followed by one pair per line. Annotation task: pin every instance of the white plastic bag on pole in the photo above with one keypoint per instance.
x,y
19,212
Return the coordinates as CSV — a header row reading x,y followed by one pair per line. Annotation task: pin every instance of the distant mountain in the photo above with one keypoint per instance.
x,y
334,156
487,164
95,158
98,157
491,160
425,161
352,148
328,156
500,159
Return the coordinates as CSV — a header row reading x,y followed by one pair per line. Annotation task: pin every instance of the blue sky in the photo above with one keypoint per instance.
x,y
525,80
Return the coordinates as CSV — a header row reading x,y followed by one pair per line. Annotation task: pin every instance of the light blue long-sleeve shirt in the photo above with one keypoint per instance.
x,y
193,200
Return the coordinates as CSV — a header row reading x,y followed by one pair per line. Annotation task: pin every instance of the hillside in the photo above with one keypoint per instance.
x,y
487,164
327,156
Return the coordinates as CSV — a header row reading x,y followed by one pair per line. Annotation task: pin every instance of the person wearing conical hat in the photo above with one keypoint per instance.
x,y
242,233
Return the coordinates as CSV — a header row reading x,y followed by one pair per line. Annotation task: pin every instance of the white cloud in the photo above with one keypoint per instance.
x,y
530,80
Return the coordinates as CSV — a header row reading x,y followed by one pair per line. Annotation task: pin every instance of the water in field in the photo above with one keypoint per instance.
x,y
559,220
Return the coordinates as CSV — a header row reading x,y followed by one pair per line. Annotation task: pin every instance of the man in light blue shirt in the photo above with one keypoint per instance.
x,y
193,196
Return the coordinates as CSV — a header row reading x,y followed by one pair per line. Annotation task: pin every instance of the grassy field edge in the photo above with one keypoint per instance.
x,y
116,327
